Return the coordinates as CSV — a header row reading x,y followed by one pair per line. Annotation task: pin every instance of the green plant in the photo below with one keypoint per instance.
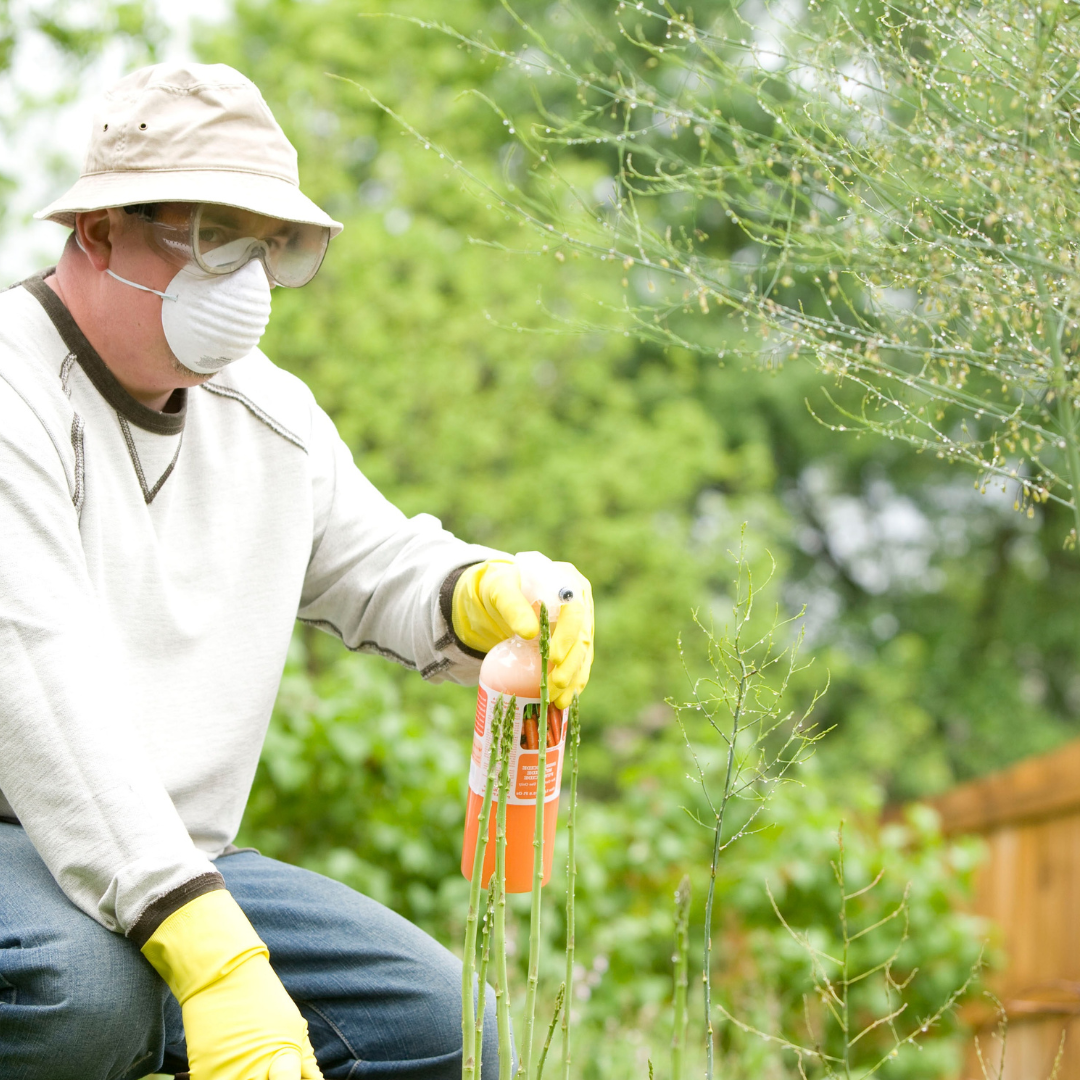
x,y
555,1012
498,890
573,744
525,1070
391,781
992,1069
744,704
746,742
856,1029
472,1019
681,961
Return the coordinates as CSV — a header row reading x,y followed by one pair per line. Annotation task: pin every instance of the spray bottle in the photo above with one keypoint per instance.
x,y
513,668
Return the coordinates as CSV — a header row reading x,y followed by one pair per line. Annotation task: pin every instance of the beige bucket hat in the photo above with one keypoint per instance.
x,y
188,133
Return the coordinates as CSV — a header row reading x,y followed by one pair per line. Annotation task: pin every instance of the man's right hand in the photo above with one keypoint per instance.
x,y
239,1021
488,606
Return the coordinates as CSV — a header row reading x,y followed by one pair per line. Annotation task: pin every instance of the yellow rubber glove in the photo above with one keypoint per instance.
x,y
488,607
239,1021
571,653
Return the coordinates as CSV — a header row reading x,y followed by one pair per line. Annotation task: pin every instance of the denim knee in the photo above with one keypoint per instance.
x,y
78,1002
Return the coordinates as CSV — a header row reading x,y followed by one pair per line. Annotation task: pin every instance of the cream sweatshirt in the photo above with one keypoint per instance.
x,y
152,566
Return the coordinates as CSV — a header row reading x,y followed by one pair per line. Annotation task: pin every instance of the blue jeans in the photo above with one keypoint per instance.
x,y
381,998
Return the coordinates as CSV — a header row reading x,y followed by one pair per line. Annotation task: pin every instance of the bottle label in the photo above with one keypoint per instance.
x,y
524,751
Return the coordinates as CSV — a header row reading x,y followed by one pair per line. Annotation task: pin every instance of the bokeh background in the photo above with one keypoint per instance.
x,y
462,369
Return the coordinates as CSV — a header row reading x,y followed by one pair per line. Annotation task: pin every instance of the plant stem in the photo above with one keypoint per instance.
x,y
682,962
502,995
468,965
525,1067
551,1031
485,953
706,975
573,740
845,1004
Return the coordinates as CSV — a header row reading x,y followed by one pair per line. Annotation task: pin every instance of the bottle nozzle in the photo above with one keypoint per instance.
x,y
544,581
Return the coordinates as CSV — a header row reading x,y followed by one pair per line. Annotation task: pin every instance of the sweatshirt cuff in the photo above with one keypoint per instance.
x,y
164,906
446,606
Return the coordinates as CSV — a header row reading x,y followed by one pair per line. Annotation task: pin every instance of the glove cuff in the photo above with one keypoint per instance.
x,y
446,609
467,585
202,943
466,590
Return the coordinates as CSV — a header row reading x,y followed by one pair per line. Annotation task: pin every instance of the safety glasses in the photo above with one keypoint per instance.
x,y
221,239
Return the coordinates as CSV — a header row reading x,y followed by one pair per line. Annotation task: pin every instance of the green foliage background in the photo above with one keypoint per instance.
x,y
945,621
444,358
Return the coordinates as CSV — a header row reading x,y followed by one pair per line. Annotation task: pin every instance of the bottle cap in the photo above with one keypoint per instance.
x,y
544,581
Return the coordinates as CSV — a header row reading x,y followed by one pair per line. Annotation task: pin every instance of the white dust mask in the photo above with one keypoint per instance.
x,y
211,320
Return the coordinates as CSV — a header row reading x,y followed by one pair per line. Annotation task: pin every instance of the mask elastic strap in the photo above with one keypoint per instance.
x,y
144,288
133,284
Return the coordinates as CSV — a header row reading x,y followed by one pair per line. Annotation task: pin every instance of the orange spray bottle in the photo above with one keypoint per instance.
x,y
513,668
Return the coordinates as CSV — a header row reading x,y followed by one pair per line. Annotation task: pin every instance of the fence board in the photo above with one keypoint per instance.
x,y
1044,786
1029,886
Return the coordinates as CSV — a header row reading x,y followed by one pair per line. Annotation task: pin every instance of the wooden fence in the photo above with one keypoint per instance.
x,y
1029,816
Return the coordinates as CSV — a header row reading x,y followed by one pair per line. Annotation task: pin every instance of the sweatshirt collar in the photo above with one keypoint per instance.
x,y
105,382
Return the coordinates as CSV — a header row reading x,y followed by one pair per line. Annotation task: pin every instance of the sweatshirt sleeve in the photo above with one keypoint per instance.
x,y
377,579
71,764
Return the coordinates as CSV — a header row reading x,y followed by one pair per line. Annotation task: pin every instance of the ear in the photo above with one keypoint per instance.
x,y
93,231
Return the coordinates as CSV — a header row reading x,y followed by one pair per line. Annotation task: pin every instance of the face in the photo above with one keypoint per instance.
x,y
123,323
149,253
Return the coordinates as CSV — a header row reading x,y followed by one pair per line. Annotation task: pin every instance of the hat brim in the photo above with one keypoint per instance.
x,y
262,194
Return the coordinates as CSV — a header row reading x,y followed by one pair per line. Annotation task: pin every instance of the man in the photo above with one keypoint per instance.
x,y
170,503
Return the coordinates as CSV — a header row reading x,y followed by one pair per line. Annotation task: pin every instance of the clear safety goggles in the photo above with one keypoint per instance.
x,y
221,239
